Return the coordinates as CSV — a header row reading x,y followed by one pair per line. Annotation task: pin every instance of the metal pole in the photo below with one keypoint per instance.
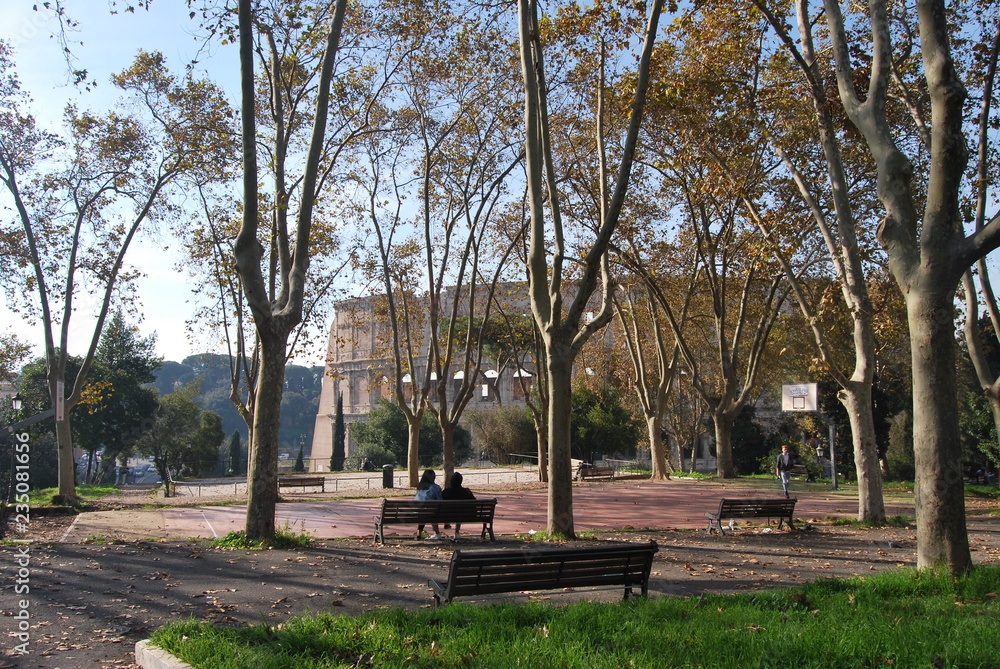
x,y
833,449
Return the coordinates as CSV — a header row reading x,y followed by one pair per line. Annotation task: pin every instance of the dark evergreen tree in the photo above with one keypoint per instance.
x,y
339,438
300,462
237,465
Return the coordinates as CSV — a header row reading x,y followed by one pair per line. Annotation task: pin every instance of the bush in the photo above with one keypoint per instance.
x,y
502,432
601,424
386,431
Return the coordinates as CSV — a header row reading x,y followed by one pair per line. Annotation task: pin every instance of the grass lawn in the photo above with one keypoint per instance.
x,y
43,497
899,619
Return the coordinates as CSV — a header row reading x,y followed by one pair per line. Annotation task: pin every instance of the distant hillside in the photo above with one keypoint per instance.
x,y
298,406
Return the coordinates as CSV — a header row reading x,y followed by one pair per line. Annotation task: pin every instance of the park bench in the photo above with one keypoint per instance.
x,y
301,482
435,512
483,573
800,469
779,508
595,472
587,470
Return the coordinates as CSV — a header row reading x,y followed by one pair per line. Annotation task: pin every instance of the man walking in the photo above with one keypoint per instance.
x,y
783,468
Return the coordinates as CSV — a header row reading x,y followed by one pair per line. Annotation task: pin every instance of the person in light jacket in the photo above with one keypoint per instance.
x,y
428,490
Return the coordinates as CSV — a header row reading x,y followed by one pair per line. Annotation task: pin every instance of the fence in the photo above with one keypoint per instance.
x,y
348,482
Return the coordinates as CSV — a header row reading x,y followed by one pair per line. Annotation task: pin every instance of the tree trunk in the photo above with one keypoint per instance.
x,y
724,444
939,492
448,445
657,449
413,449
542,443
857,400
262,479
560,497
67,474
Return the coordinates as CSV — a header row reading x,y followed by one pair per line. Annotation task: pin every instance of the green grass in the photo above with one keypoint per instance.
x,y
891,521
284,538
899,619
987,492
43,497
691,475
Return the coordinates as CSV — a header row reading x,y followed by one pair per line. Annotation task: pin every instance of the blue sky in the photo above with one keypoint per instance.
x,y
103,44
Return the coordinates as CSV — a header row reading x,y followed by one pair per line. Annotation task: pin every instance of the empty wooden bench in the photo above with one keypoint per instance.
x,y
483,573
802,470
420,512
594,472
301,482
779,508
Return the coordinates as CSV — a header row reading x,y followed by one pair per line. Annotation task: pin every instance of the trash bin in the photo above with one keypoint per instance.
x,y
386,476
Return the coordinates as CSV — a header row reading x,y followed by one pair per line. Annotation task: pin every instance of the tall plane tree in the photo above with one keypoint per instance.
x,y
80,201
446,155
830,190
565,327
287,40
922,231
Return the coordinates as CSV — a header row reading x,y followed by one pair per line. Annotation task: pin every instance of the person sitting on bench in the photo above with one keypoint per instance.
x,y
456,491
428,490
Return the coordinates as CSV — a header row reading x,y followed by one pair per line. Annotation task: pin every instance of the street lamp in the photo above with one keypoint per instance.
x,y
15,402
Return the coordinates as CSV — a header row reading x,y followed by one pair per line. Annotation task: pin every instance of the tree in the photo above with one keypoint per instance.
x,y
500,434
300,460
203,455
237,463
981,349
923,234
182,439
731,294
386,435
565,329
82,199
655,365
339,437
841,238
13,352
121,403
446,153
601,423
275,289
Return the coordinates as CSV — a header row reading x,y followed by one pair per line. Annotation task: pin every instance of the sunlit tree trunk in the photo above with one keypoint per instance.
x,y
262,474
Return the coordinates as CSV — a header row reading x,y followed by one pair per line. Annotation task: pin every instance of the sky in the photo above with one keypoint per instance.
x,y
104,44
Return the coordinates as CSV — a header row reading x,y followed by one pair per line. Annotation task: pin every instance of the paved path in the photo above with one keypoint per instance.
x,y
676,504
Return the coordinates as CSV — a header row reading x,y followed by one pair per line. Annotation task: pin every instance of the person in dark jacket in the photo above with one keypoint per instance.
x,y
783,467
456,491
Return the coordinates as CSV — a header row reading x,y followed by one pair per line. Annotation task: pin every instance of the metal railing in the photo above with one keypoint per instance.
x,y
362,481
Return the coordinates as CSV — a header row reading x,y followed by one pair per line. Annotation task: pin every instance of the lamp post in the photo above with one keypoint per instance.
x,y
16,402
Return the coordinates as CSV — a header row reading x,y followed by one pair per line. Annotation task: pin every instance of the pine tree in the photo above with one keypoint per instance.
x,y
235,453
300,462
339,438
